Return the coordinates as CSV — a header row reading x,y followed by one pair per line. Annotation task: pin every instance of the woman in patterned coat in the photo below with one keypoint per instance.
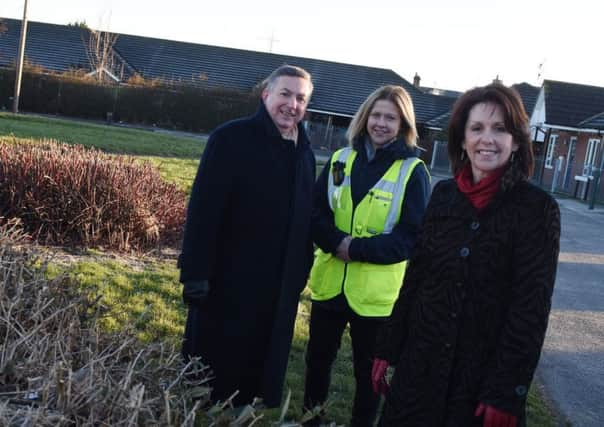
x,y
467,330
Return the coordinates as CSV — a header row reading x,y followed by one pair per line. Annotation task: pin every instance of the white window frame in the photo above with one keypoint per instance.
x,y
590,156
551,148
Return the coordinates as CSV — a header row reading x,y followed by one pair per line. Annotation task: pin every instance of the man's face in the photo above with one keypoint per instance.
x,y
286,101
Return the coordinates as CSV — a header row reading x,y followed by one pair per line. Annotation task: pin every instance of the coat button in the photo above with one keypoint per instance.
x,y
475,225
459,284
521,390
464,252
447,345
454,315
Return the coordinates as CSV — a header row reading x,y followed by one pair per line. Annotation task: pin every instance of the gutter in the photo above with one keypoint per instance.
x,y
330,113
569,128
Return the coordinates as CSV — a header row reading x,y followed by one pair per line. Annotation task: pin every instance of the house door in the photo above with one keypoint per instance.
x,y
570,160
590,156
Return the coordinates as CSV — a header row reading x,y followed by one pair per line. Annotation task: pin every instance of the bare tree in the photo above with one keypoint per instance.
x,y
102,59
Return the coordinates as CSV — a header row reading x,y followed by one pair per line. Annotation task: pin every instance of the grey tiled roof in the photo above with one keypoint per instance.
x,y
440,122
594,122
441,92
529,94
339,88
569,104
54,47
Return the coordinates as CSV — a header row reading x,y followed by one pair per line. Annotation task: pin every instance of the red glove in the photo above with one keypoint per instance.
x,y
378,376
493,417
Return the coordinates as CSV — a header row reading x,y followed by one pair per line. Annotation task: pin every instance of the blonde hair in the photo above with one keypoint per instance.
x,y
401,99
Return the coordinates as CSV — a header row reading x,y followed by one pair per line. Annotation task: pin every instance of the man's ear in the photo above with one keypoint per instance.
x,y
264,94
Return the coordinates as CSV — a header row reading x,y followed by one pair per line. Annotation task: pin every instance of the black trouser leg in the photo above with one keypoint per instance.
x,y
325,334
363,331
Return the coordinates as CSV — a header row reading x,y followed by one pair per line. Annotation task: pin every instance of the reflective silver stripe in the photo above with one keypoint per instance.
x,y
398,193
386,186
331,188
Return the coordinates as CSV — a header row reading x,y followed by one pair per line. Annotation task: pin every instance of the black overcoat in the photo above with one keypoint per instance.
x,y
471,317
248,233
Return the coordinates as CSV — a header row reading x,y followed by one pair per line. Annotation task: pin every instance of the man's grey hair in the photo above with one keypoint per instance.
x,y
289,71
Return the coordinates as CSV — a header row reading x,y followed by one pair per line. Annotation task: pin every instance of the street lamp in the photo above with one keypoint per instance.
x,y
20,56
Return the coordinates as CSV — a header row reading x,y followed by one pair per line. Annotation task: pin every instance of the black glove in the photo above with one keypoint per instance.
x,y
195,293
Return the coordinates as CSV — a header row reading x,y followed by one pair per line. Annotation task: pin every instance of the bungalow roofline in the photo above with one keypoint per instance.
x,y
567,128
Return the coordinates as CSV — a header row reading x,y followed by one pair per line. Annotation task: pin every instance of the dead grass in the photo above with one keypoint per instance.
x,y
58,367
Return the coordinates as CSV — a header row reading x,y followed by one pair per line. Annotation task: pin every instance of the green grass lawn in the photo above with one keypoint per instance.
x,y
138,292
113,139
179,171
144,293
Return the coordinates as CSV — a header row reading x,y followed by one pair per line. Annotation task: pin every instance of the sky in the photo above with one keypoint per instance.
x,y
450,44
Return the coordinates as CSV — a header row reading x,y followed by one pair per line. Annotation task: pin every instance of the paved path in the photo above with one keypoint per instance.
x,y
572,362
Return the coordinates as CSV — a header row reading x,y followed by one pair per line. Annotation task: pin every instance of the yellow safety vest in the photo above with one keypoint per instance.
x,y
370,289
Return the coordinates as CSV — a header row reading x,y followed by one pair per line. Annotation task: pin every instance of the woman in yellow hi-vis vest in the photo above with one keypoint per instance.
x,y
368,205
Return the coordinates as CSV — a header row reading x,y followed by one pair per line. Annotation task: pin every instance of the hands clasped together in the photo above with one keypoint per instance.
x,y
342,249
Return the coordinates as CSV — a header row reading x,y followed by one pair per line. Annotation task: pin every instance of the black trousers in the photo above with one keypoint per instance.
x,y
326,329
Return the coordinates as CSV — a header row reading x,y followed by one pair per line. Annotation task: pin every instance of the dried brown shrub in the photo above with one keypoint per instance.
x,y
74,196
58,368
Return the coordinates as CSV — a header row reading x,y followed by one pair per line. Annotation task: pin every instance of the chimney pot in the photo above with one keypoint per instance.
x,y
416,80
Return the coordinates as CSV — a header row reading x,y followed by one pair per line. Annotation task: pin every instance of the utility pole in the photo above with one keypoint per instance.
x,y
20,56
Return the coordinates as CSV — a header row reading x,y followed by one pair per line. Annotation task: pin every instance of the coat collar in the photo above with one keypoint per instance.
x,y
266,122
396,150
454,203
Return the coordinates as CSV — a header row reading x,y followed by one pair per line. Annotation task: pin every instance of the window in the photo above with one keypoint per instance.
x,y
590,156
551,149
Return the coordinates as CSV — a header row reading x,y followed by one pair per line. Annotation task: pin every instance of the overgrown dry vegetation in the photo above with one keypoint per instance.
x,y
69,195
59,368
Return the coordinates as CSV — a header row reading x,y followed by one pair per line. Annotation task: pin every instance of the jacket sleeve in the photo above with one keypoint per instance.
x,y
397,246
310,257
208,202
324,231
535,259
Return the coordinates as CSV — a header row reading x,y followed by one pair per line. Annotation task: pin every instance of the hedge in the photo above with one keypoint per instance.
x,y
173,106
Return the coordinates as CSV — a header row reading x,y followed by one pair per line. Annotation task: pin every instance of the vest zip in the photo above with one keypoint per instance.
x,y
351,231
371,194
344,277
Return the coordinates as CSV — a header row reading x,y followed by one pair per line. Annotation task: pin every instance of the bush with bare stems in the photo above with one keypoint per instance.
x,y
57,367
74,196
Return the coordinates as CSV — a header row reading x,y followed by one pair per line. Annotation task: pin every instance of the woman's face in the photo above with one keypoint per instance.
x,y
487,143
384,123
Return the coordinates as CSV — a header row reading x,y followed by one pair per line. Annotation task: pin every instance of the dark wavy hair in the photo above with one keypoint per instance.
x,y
516,122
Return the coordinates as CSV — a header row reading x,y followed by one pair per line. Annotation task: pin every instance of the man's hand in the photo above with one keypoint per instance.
x,y
494,417
378,376
342,249
195,293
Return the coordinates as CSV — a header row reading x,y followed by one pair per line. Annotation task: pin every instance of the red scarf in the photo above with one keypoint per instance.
x,y
481,193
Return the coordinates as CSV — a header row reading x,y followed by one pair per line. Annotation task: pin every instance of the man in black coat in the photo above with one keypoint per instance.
x,y
247,248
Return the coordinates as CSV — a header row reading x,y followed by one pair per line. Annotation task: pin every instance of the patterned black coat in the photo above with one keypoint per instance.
x,y
471,317
248,233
